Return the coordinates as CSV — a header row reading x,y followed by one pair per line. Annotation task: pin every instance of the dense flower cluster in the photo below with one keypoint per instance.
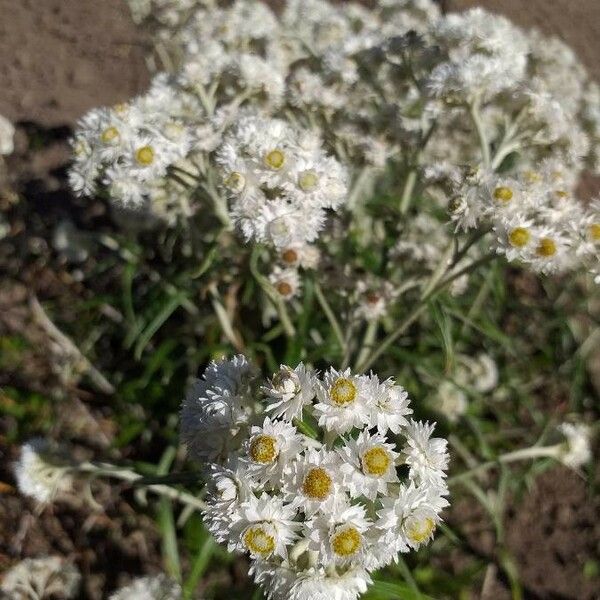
x,y
533,216
280,181
332,483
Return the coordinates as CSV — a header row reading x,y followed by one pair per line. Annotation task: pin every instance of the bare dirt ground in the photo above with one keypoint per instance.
x,y
59,58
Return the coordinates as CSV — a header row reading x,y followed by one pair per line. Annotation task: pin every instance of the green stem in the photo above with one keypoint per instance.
x,y
113,472
367,343
474,111
271,293
419,309
407,192
335,326
517,455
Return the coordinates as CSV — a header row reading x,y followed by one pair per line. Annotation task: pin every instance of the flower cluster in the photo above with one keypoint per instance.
x,y
534,217
129,148
280,181
332,483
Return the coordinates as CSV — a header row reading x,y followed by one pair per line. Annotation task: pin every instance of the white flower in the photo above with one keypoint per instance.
x,y
408,519
374,300
451,401
485,373
266,527
40,473
344,400
369,465
7,134
390,408
427,457
159,587
286,282
340,537
229,488
289,391
48,577
577,450
319,584
314,482
217,408
269,450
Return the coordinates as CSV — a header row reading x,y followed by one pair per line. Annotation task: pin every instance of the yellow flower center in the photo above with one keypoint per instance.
x,y
235,182
121,108
284,288
80,148
259,541
546,248
308,181
317,484
532,176
346,542
110,134
561,194
594,231
503,194
343,391
519,237
420,531
263,449
376,461
145,155
275,159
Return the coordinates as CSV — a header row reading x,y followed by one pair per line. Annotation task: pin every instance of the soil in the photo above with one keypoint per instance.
x,y
58,59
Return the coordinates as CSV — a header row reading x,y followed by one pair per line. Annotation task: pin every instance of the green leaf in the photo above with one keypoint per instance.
x,y
386,590
168,308
199,566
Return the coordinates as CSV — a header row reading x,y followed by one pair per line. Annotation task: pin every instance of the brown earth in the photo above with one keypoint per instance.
x,y
58,59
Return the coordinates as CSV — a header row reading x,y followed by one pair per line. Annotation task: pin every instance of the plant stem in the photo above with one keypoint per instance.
x,y
517,455
407,191
430,291
367,342
474,111
335,325
271,293
114,472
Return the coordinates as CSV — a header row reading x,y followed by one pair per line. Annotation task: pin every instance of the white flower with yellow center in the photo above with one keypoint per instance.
x,y
269,449
409,518
340,537
344,400
427,457
550,251
326,584
266,527
289,391
314,482
369,465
